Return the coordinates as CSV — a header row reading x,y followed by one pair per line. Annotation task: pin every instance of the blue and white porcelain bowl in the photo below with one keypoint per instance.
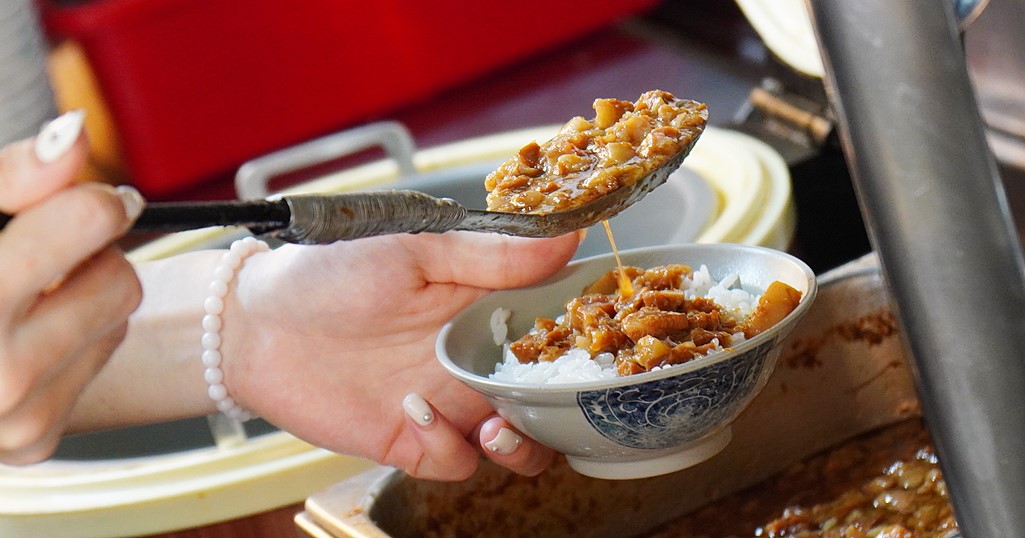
x,y
639,425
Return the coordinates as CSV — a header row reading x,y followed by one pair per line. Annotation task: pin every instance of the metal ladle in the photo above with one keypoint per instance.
x,y
326,218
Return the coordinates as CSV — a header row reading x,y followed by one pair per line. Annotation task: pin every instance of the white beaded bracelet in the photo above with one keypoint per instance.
x,y
214,306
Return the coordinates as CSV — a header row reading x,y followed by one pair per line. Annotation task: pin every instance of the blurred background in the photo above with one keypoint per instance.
x,y
182,93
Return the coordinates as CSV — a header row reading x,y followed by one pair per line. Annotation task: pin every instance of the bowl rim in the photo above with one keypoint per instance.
x,y
506,387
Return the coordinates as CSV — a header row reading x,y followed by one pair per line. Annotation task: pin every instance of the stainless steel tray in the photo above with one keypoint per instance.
x,y
845,372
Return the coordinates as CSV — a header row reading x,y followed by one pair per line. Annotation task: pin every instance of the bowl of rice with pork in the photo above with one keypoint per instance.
x,y
638,372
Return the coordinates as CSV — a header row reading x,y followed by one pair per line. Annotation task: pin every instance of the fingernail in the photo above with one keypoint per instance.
x,y
583,235
57,136
505,443
132,200
418,409
56,283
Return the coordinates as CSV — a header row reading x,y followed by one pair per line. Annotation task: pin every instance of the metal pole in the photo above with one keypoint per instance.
x,y
937,215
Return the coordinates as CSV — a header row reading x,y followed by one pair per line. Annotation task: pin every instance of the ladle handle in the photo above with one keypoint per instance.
x,y
258,215
324,219
310,218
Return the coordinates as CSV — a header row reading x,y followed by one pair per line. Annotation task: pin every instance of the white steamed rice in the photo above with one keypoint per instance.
x,y
576,364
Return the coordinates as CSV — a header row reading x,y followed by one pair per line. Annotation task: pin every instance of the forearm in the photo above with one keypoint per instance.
x,y
156,373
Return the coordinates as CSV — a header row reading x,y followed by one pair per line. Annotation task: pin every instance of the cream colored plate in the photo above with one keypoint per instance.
x,y
132,497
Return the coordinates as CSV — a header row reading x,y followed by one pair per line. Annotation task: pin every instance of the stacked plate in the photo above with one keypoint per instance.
x,y
26,99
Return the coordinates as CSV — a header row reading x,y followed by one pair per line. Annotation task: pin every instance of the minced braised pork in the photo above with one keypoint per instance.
x,y
884,484
655,326
587,159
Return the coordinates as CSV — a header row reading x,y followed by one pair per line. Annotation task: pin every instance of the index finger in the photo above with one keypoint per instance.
x,y
28,176
52,238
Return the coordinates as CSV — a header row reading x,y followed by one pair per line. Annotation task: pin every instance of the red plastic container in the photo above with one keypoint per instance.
x,y
196,87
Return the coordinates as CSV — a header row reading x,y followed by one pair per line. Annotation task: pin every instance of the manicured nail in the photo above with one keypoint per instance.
x,y
57,136
418,409
132,200
505,443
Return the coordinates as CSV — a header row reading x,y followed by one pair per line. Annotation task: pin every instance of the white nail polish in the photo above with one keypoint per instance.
x,y
418,409
132,200
57,136
505,443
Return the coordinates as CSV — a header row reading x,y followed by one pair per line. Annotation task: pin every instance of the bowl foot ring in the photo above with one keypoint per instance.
x,y
686,456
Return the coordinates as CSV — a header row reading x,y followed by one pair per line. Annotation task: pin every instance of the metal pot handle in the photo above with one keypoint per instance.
x,y
253,177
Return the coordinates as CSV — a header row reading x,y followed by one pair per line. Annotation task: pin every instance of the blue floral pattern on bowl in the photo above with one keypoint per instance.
x,y
668,412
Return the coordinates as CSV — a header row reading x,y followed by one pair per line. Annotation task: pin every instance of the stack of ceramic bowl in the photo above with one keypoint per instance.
x,y
26,99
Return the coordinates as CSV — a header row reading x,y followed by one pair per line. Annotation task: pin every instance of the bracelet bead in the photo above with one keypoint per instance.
x,y
213,307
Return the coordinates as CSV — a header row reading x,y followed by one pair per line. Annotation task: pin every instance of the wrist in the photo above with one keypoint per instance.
x,y
221,369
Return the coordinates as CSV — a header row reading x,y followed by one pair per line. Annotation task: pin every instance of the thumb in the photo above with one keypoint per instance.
x,y
491,261
33,169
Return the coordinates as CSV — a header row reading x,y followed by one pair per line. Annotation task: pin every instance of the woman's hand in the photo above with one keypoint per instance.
x,y
66,291
336,345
